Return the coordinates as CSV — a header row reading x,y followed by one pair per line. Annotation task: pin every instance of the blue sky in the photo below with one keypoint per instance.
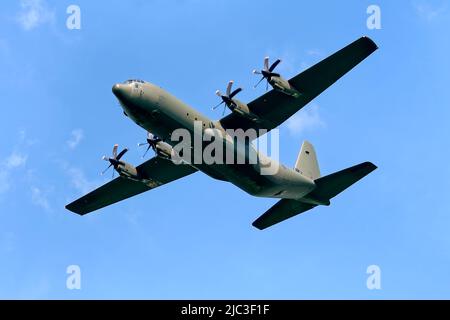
x,y
59,118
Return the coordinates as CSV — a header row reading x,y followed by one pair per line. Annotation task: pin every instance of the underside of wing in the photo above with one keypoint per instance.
x,y
156,171
330,186
274,107
282,210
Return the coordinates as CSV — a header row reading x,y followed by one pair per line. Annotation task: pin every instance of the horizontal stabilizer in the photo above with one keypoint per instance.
x,y
326,188
282,210
330,186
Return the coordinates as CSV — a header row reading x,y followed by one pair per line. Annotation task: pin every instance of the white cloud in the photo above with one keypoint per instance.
x,y
306,119
22,135
293,62
314,53
289,60
39,198
79,180
15,160
34,13
76,137
25,140
429,12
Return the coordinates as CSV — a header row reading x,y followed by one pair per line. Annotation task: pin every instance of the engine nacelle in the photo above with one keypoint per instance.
x,y
282,85
243,110
128,171
164,150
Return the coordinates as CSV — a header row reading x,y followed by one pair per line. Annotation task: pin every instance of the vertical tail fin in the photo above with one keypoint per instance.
x,y
307,162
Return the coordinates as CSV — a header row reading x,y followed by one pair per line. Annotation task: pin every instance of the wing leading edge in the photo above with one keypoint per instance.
x,y
157,170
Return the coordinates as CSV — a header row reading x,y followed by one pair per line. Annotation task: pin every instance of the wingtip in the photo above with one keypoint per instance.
x,y
72,208
257,226
370,42
69,207
370,165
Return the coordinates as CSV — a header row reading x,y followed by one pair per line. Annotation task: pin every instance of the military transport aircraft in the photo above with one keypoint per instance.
x,y
299,189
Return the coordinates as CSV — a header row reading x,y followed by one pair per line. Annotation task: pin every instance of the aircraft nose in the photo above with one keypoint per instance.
x,y
120,90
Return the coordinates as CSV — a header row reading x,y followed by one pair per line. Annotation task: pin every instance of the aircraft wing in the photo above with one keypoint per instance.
x,y
157,170
282,210
274,107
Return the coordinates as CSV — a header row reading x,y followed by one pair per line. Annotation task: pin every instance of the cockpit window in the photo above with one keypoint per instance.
x,y
133,81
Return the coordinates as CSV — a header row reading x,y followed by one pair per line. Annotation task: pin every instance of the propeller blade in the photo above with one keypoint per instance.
x,y
267,85
142,144
214,108
274,65
266,63
104,171
230,84
149,146
258,82
256,72
235,92
115,150
120,155
227,98
105,158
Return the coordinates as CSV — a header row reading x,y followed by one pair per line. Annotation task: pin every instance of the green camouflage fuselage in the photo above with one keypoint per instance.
x,y
159,112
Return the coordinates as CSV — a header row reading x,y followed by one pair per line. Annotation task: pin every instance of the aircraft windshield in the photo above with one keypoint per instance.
x,y
133,80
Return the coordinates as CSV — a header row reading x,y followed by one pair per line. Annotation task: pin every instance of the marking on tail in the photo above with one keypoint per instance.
x,y
307,163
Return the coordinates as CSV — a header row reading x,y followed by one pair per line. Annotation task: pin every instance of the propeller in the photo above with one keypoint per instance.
x,y
152,140
114,161
227,99
267,72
